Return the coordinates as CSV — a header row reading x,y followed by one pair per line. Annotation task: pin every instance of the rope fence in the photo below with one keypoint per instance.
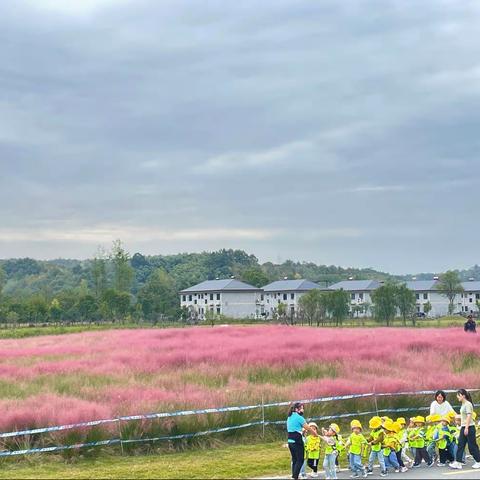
x,y
183,413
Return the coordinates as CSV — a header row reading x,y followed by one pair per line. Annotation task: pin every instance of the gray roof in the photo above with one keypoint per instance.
x,y
228,284
471,286
290,285
422,285
356,285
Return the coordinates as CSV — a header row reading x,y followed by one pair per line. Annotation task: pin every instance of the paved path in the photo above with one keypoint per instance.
x,y
422,472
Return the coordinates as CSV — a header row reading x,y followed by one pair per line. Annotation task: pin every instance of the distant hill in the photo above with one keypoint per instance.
x,y
28,276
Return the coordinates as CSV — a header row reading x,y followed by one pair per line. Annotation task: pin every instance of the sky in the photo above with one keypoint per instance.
x,y
342,133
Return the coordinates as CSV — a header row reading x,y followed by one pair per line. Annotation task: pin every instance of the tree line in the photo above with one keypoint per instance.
x,y
116,286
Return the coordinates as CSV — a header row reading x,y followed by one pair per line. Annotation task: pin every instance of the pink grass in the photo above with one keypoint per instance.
x,y
135,371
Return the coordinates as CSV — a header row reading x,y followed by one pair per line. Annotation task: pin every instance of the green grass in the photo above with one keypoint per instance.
x,y
244,461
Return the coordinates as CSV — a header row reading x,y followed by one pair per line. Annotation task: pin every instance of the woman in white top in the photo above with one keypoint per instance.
x,y
467,431
440,405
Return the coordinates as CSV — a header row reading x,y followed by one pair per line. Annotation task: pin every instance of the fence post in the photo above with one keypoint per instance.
x,y
120,435
263,418
375,400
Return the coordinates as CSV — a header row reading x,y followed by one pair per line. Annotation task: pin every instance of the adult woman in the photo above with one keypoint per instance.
x,y
467,431
440,405
295,425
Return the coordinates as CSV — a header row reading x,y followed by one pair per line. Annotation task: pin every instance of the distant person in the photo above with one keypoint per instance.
x,y
467,433
470,325
440,406
296,424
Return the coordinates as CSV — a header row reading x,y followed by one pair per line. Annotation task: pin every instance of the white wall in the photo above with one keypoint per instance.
x,y
230,304
273,299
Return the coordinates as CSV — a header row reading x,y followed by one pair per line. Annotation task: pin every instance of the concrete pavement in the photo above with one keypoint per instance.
x,y
422,472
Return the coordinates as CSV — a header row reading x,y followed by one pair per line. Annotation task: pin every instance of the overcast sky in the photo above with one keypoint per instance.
x,y
341,132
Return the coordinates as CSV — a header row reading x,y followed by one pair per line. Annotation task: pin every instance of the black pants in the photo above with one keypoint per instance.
x,y
313,464
297,451
399,458
472,444
422,454
445,455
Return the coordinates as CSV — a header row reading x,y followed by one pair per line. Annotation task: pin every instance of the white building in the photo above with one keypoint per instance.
x,y
426,291
360,294
467,301
228,297
287,292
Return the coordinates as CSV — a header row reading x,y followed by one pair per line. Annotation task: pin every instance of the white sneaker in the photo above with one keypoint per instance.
x,y
476,465
456,465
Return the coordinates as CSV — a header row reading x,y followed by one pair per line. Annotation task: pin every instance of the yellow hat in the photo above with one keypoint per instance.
x,y
435,418
419,419
451,415
375,422
428,418
401,421
396,427
446,418
388,425
355,424
335,428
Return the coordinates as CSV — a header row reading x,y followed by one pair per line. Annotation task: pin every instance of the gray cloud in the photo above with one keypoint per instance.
x,y
339,132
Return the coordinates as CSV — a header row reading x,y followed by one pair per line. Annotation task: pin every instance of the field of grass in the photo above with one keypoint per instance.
x,y
55,380
239,461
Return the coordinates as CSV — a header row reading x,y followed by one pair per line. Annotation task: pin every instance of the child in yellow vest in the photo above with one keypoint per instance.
x,y
356,444
330,437
443,437
375,440
403,439
432,422
420,444
312,450
390,445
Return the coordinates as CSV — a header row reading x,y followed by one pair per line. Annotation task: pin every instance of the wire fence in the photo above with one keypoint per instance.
x,y
262,421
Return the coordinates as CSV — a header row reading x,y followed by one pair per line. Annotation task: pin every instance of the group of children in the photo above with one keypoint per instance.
x,y
394,445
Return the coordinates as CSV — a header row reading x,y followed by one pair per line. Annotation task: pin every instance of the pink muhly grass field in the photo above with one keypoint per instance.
x,y
68,378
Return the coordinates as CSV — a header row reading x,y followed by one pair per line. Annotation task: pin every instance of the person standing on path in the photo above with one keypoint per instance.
x,y
440,406
467,431
296,424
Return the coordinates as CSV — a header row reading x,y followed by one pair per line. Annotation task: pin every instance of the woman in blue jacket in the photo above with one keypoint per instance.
x,y
296,424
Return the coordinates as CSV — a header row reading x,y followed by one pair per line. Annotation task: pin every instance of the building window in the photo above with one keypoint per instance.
x,y
195,302
292,296
353,296
425,296
261,298
218,296
284,296
189,298
360,296
218,309
471,300
477,296
206,301
417,296
184,297
211,296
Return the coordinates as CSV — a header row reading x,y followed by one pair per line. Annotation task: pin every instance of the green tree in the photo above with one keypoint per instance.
x,y
255,276
384,299
313,306
122,270
405,300
427,308
158,296
87,308
99,272
449,285
37,308
55,310
338,305
3,278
